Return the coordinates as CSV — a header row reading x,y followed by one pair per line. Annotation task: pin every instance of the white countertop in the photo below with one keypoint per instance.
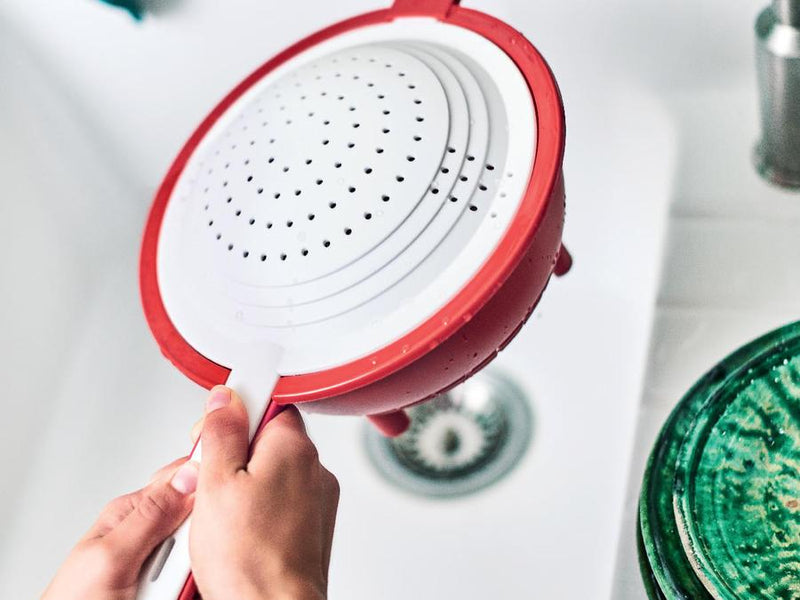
x,y
659,114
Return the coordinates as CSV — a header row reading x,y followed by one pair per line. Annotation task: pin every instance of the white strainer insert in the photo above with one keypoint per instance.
x,y
347,196
297,180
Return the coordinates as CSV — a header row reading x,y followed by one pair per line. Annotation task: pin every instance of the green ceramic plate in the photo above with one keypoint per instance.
x,y
649,580
660,542
736,492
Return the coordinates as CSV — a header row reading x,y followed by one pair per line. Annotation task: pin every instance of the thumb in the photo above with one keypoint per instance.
x,y
160,508
225,436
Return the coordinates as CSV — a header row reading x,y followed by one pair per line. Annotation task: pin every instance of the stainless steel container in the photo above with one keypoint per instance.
x,y
777,155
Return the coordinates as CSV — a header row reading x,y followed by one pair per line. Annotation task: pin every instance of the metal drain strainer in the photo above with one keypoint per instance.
x,y
459,442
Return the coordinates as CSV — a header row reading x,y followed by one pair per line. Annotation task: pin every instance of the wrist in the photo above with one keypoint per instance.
x,y
297,592
295,588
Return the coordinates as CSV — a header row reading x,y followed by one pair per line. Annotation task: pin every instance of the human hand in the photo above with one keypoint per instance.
x,y
262,524
106,562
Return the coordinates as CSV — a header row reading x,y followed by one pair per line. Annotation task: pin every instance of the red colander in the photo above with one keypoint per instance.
x,y
362,223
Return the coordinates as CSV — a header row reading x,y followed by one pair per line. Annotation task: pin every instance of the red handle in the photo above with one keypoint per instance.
x,y
189,591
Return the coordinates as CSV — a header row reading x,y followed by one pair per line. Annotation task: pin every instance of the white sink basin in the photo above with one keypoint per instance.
x,y
91,111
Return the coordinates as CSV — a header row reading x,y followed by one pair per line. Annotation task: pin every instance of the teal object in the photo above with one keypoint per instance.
x,y
134,7
660,546
737,483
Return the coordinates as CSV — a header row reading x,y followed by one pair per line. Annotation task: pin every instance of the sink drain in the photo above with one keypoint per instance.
x,y
459,442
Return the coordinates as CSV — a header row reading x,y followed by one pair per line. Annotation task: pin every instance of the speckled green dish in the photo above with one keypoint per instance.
x,y
649,580
736,494
660,544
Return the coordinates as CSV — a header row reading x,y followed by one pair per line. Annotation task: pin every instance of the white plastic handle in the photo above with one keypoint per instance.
x,y
166,572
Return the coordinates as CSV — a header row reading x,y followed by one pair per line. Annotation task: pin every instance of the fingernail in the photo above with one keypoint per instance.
x,y
185,478
197,428
220,396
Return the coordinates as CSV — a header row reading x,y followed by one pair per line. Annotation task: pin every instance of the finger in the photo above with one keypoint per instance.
x,y
225,435
159,509
167,470
290,411
112,515
329,510
115,511
282,439
197,429
289,418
